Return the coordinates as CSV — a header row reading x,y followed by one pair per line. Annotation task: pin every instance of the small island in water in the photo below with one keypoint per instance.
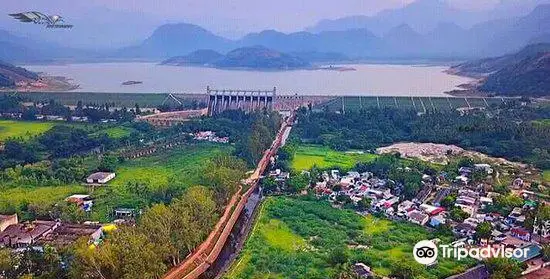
x,y
132,82
251,58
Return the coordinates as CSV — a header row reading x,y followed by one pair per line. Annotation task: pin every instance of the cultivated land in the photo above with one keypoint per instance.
x,y
116,132
143,180
16,129
307,156
546,176
21,199
309,231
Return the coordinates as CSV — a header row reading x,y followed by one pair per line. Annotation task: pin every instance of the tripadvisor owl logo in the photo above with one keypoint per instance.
x,y
425,252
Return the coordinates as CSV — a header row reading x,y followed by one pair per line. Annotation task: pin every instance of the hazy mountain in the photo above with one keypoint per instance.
x,y
176,39
425,15
20,49
421,15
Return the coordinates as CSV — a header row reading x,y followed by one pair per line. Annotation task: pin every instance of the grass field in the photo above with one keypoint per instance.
x,y
542,122
129,100
170,171
116,132
420,104
546,176
23,129
307,156
310,231
21,198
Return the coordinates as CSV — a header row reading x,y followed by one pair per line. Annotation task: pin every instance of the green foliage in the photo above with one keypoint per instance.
x,y
496,132
22,129
458,215
304,157
315,238
483,231
298,182
503,268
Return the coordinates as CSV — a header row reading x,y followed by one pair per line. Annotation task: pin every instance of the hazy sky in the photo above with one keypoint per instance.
x,y
234,16
105,23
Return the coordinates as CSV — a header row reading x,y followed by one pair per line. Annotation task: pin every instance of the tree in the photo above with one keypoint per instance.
x,y
157,223
298,182
269,184
108,164
405,269
483,231
503,268
448,201
458,214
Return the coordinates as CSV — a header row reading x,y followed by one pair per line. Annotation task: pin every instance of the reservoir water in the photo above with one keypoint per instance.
x,y
368,79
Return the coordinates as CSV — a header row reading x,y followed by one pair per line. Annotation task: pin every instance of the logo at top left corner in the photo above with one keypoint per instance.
x,y
50,21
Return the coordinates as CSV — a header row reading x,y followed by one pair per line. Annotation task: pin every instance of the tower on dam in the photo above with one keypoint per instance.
x,y
247,100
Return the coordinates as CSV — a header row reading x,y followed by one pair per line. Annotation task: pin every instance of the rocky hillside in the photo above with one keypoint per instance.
x,y
524,73
10,74
528,77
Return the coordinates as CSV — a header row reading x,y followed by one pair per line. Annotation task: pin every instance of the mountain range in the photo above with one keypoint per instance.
x,y
445,36
445,40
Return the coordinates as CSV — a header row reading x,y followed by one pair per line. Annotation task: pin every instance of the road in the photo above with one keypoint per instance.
x,y
207,253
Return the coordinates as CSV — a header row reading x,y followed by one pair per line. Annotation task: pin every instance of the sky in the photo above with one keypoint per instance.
x,y
229,18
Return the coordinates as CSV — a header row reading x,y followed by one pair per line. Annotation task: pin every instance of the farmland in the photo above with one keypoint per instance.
x,y
128,100
546,176
25,130
316,239
153,178
20,199
307,156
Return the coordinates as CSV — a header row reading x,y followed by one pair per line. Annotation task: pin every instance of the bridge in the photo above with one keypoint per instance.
x,y
200,260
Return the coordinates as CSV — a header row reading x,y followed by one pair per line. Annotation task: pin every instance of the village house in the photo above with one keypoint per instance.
x,y
418,217
7,220
66,234
84,202
521,233
26,234
100,177
362,270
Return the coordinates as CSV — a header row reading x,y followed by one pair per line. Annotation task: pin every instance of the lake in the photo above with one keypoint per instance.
x,y
368,79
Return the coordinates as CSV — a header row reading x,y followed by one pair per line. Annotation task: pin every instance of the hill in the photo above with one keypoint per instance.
x,y
201,57
528,77
524,73
10,74
259,57
486,66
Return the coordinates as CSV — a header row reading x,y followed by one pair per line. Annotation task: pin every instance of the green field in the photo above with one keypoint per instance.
x,y
20,199
23,129
546,176
542,122
129,100
116,132
149,178
420,104
307,156
310,231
